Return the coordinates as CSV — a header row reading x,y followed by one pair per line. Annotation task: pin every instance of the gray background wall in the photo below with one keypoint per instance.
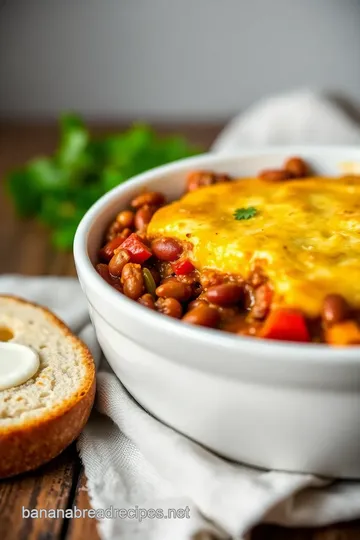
x,y
178,58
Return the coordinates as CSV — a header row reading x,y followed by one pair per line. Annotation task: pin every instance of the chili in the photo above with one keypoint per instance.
x,y
163,278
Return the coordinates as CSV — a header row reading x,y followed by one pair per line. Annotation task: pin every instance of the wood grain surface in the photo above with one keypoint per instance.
x,y
25,249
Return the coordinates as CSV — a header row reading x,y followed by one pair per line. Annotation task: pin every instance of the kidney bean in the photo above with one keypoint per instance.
x,y
335,309
198,179
151,198
169,306
143,216
125,219
147,301
225,294
172,288
118,261
262,301
203,316
132,280
103,270
166,249
297,167
274,175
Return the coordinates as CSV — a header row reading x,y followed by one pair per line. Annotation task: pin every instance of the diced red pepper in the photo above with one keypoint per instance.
x,y
139,252
286,325
183,267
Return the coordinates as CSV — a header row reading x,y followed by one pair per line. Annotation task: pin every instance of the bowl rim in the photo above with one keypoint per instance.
x,y
272,349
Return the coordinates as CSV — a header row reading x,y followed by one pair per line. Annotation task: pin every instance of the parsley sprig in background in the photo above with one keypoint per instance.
x,y
58,190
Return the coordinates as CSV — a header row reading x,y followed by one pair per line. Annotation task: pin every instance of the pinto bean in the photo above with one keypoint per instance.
x,y
170,307
335,309
203,316
297,167
166,249
132,280
125,219
151,198
147,301
172,288
198,179
225,294
118,261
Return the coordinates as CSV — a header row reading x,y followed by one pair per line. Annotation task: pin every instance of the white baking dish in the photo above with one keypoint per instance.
x,y
270,404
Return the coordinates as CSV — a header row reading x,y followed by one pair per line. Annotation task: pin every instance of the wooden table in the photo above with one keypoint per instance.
x,y
25,249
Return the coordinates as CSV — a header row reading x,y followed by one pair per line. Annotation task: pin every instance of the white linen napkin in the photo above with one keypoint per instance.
x,y
132,461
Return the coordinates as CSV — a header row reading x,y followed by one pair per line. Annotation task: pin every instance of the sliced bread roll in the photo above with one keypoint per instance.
x,y
42,416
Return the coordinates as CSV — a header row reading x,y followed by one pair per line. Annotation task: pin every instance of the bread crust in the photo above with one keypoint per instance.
x,y
27,446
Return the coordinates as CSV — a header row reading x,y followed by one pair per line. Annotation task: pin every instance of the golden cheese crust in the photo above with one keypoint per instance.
x,y
305,235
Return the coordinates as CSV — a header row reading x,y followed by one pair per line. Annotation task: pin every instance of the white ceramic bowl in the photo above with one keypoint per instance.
x,y
270,404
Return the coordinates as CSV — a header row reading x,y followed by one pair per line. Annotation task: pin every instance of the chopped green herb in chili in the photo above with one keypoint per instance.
x,y
245,213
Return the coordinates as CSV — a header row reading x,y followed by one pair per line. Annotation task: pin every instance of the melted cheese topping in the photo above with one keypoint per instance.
x,y
305,235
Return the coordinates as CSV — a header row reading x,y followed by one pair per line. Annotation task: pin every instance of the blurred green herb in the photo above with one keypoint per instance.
x,y
59,189
245,213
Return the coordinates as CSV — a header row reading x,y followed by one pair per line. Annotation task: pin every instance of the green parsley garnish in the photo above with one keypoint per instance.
x,y
245,213
59,189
